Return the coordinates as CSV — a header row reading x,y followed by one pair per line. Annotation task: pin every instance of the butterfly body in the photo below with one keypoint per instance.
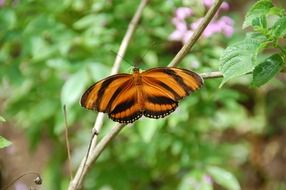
x,y
153,93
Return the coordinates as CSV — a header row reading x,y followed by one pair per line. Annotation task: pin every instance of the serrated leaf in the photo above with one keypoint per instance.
x,y
261,8
278,11
223,178
4,142
279,28
239,58
267,70
73,88
2,119
259,23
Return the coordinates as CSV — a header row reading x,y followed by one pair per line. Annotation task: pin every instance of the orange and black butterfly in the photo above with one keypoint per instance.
x,y
153,93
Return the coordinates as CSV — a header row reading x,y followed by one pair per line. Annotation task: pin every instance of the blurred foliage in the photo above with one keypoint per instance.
x,y
51,51
269,29
3,142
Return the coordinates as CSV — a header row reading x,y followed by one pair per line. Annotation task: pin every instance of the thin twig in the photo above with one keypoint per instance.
x,y
83,168
67,142
197,33
103,143
37,180
211,75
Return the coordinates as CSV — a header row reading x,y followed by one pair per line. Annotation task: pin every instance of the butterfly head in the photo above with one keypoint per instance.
x,y
135,70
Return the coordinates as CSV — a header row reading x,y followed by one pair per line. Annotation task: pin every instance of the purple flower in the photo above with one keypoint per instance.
x,y
184,32
187,36
226,25
208,179
211,29
2,3
177,35
180,24
183,12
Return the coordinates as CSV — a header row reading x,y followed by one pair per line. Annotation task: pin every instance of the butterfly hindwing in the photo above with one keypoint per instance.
x,y
160,100
125,108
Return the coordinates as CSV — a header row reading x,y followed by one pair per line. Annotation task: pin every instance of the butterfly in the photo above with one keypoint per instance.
x,y
153,93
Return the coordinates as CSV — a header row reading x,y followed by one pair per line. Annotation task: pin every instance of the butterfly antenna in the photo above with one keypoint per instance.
x,y
120,56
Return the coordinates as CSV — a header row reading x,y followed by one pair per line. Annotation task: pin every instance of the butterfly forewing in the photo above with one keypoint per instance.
x,y
180,82
100,95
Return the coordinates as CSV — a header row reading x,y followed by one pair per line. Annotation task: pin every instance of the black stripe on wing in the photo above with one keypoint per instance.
x,y
104,87
157,84
125,107
116,94
161,101
178,79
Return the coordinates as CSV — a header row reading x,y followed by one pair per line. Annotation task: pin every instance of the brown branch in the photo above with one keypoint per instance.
x,y
83,168
197,33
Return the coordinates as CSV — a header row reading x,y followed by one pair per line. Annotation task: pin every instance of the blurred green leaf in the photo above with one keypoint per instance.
x,y
40,49
148,127
2,119
260,8
267,70
73,88
223,178
8,19
240,58
279,27
196,179
150,58
4,142
93,69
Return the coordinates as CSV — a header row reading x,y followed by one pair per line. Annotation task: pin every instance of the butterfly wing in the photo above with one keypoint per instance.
x,y
125,108
99,96
164,86
115,95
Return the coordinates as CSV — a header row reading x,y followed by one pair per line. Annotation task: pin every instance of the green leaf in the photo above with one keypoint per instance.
x,y
73,88
148,127
278,11
2,119
223,178
267,70
279,28
4,142
8,18
259,23
261,8
239,58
